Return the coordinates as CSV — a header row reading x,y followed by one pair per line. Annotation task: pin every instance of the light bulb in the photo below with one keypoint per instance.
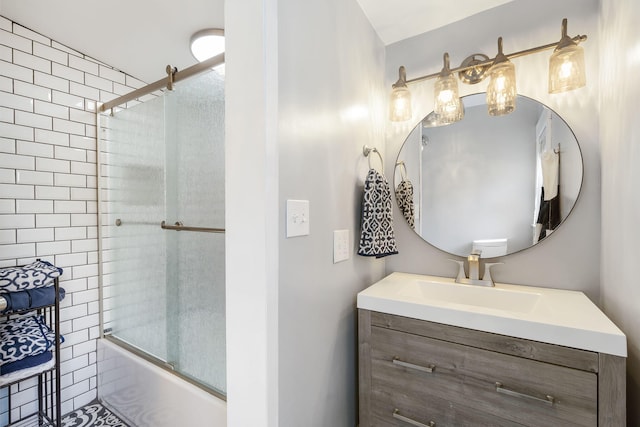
x,y
566,69
400,99
400,105
566,65
501,92
447,105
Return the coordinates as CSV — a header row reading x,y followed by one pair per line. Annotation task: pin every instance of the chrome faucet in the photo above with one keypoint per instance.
x,y
473,260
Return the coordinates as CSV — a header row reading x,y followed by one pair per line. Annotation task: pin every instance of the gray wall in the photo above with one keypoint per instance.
x,y
619,139
570,259
331,95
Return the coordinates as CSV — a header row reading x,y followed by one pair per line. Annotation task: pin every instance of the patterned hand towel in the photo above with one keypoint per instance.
x,y
404,197
376,235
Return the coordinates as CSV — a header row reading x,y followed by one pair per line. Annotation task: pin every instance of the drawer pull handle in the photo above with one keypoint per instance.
x,y
549,400
399,362
397,416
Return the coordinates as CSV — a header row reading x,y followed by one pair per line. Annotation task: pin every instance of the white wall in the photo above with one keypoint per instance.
x,y
331,97
620,142
570,259
48,206
252,217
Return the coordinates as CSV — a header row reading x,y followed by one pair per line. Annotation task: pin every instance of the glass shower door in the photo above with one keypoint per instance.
x,y
195,198
164,290
133,244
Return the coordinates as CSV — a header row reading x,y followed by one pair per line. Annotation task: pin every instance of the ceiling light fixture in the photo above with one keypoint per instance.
x,y
207,43
566,72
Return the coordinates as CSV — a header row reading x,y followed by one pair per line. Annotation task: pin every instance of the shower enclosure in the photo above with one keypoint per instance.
x,y
161,182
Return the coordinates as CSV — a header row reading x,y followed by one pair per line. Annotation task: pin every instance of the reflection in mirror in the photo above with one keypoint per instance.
x,y
497,184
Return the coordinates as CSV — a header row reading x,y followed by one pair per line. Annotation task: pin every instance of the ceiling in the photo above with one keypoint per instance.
x,y
396,20
141,37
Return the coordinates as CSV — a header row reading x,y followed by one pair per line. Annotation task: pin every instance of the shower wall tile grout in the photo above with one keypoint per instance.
x,y
48,187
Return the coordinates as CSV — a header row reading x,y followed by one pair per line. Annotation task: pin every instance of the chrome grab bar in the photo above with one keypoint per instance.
x,y
399,362
179,227
397,416
549,400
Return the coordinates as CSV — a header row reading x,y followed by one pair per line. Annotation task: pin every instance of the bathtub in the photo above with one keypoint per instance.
x,y
146,395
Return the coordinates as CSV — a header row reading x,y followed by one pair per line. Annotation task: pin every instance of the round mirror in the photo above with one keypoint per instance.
x,y
492,184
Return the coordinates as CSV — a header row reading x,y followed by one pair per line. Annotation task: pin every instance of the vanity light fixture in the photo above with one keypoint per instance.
x,y
501,92
447,105
400,103
207,43
566,72
566,65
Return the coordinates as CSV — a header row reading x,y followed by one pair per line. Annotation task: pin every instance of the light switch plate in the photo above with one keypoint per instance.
x,y
297,218
340,245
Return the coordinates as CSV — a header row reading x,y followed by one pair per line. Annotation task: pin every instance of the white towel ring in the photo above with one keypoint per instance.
x,y
366,150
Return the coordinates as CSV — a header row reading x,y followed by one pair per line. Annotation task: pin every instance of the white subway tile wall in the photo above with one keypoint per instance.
x,y
48,191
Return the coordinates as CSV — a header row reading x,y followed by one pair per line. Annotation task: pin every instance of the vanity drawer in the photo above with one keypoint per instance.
x,y
499,385
395,408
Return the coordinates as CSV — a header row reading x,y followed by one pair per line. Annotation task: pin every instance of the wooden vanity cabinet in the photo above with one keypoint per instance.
x,y
419,373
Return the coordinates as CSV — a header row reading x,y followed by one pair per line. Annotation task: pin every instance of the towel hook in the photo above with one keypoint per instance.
x,y
366,150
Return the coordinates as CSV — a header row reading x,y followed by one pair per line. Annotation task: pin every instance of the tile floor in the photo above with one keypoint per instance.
x,y
92,415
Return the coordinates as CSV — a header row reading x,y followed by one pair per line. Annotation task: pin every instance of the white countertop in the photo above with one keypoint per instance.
x,y
554,316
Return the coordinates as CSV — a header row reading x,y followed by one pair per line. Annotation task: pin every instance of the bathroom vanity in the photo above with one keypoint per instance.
x,y
436,353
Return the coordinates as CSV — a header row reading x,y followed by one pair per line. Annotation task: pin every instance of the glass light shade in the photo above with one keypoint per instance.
x,y
566,69
400,104
501,92
433,120
447,105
